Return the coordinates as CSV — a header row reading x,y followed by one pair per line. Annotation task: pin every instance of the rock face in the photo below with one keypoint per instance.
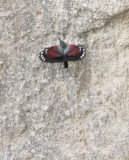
x,y
51,113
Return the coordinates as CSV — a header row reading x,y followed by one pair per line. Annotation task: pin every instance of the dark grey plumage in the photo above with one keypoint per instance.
x,y
63,48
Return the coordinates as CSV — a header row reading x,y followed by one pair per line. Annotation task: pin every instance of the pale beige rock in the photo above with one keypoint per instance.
x,y
51,113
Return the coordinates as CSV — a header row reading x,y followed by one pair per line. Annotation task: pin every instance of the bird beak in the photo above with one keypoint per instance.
x,y
62,43
59,39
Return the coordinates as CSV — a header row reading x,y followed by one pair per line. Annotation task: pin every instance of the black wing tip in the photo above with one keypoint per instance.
x,y
41,56
82,52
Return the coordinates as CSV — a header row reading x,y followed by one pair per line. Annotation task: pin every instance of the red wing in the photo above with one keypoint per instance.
x,y
50,55
75,54
74,50
52,52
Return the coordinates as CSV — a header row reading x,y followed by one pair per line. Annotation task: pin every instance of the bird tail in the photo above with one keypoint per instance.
x,y
65,64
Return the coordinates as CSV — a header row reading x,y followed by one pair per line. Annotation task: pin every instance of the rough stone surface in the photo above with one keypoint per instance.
x,y
51,113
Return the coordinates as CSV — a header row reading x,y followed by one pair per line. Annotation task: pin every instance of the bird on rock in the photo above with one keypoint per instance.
x,y
62,53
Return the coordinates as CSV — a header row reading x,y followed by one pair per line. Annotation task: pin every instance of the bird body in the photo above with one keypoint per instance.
x,y
62,53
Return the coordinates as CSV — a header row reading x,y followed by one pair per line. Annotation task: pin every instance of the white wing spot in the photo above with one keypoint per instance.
x,y
82,55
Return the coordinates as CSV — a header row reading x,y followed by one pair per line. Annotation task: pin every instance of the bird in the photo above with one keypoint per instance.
x,y
63,52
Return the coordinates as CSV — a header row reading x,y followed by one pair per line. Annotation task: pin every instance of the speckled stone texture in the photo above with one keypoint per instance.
x,y
51,113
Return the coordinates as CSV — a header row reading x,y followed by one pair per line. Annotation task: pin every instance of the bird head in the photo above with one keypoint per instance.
x,y
62,43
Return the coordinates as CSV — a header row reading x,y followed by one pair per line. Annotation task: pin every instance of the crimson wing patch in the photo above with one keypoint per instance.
x,y
76,53
50,55
53,55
